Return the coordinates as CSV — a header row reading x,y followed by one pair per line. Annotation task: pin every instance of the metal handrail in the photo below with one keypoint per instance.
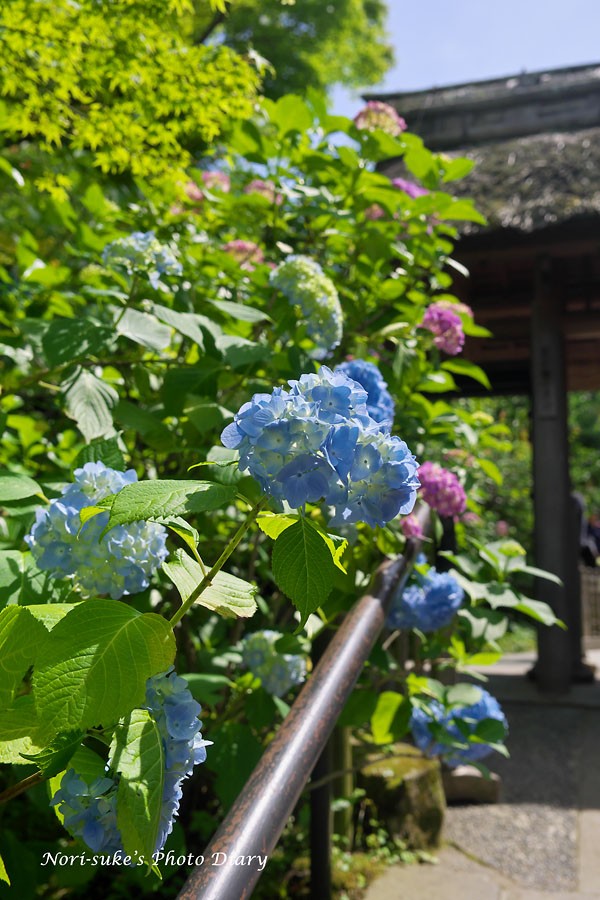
x,y
255,822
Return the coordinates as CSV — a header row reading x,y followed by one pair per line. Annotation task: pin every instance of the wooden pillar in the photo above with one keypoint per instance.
x,y
551,485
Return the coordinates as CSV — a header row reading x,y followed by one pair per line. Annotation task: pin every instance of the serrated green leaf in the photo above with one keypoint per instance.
x,y
17,487
227,595
21,638
19,731
69,339
156,500
224,465
89,401
539,611
273,524
137,754
94,667
143,329
207,688
303,568
183,530
22,582
101,450
56,756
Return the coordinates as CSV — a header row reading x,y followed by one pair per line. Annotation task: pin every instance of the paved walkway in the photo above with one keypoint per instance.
x,y
542,841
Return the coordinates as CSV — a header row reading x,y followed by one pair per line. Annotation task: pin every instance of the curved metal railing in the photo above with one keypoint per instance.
x,y
256,820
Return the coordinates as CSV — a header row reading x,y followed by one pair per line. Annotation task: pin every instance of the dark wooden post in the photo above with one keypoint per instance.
x,y
551,487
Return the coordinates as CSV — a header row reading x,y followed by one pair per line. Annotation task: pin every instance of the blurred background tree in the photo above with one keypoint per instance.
x,y
308,44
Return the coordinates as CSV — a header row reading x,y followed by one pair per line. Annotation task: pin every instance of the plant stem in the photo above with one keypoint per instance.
x,y
231,546
21,787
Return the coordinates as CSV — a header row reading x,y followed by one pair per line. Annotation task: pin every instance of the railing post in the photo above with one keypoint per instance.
x,y
320,829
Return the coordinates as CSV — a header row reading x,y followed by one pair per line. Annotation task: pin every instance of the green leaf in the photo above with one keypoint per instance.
x,y
183,530
155,500
144,329
68,339
488,624
462,211
241,312
226,595
19,730
490,731
463,695
303,568
205,415
491,470
539,611
187,324
457,168
224,465
17,487
464,367
89,401
537,573
290,113
22,582
94,667
3,873
21,637
137,754
238,351
105,450
390,718
437,382
49,614
273,524
207,688
56,756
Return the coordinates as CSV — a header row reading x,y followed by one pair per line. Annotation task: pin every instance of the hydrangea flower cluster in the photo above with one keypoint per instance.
x,y
266,189
90,811
318,443
122,562
428,605
246,253
487,707
442,490
218,180
278,672
411,528
411,189
304,283
380,404
446,327
171,705
378,116
142,252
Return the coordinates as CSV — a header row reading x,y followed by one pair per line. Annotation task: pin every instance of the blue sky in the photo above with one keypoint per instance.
x,y
441,42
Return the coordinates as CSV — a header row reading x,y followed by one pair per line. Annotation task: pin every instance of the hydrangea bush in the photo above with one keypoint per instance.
x,y
176,461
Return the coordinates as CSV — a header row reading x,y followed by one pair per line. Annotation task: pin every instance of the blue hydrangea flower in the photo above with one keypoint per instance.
x,y
302,280
278,672
317,443
122,562
429,604
142,252
380,404
487,707
169,701
90,810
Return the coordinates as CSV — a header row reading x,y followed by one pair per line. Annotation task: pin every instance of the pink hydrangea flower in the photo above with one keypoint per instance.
x,y
442,490
502,528
266,189
218,180
409,187
471,518
410,527
378,116
193,192
374,212
446,327
246,253
456,306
